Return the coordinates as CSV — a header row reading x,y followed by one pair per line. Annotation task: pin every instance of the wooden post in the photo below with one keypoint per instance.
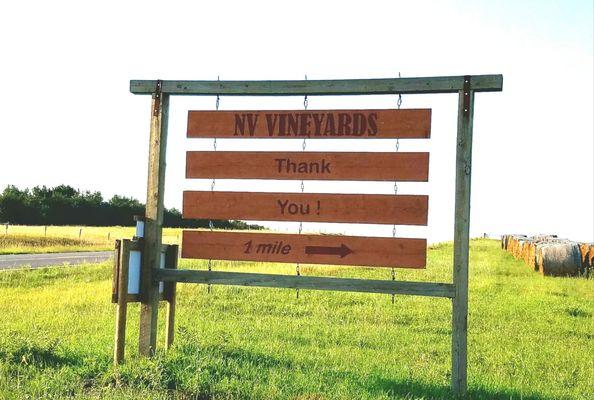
x,y
153,223
169,289
122,253
115,272
461,239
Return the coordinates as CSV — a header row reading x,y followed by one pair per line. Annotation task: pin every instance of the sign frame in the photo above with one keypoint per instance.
x,y
151,275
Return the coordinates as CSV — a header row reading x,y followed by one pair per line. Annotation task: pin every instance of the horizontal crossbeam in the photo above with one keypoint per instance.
x,y
439,84
307,282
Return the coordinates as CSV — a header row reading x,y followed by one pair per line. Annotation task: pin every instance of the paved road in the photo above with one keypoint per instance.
x,y
12,261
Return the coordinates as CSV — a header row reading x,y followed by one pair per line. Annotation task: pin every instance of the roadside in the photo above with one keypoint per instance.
x,y
14,261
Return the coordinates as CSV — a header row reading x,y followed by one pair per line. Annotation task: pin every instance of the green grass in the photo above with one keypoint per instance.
x,y
23,239
529,337
27,244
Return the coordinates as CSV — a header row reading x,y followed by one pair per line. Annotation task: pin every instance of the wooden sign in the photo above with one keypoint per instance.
x,y
319,124
310,249
308,165
309,207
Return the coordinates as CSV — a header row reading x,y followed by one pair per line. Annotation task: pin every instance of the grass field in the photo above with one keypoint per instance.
x,y
20,239
529,337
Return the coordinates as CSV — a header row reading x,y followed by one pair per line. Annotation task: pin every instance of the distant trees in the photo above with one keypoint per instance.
x,y
64,205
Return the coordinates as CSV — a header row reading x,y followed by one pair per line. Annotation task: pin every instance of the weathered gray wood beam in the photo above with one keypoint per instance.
x,y
151,256
461,240
306,282
440,84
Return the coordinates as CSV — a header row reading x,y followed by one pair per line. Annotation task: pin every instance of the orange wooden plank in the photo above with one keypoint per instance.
x,y
310,249
310,207
308,165
319,124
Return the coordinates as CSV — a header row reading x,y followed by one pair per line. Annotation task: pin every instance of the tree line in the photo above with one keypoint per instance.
x,y
65,205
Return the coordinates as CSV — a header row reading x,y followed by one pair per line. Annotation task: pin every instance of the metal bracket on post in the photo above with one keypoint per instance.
x,y
157,97
139,232
466,89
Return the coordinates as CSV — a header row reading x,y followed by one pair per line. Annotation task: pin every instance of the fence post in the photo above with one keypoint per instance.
x,y
461,240
121,259
169,292
149,294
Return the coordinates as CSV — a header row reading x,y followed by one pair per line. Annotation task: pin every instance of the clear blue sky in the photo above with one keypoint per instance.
x,y
68,116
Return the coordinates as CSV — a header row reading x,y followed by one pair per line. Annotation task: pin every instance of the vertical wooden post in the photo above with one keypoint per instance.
x,y
171,258
115,272
123,257
461,239
153,223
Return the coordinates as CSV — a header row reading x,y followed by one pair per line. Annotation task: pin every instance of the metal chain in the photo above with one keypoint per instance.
x,y
393,279
398,104
303,147
397,148
212,185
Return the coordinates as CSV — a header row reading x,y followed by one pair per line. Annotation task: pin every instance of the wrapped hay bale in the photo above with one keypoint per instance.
x,y
539,245
508,238
528,244
510,243
514,244
516,249
585,250
560,259
531,255
519,249
587,253
542,238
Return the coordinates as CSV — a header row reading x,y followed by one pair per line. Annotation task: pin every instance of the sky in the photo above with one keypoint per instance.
x,y
68,116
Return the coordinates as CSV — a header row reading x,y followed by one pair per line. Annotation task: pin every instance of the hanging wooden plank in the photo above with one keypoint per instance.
x,y
307,207
308,165
315,124
309,249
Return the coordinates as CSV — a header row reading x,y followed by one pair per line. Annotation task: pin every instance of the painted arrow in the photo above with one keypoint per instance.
x,y
341,251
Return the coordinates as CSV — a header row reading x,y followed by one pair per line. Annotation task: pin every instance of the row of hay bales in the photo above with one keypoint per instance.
x,y
550,255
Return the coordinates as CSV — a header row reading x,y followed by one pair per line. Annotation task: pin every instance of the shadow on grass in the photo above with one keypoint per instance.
x,y
39,357
373,384
414,390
